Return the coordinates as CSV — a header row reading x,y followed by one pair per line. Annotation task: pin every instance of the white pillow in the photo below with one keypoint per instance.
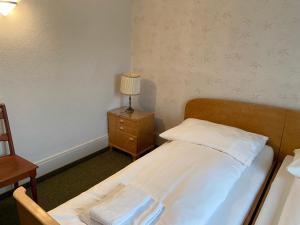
x,y
294,166
242,145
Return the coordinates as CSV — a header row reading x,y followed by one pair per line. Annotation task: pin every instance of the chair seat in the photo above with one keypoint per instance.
x,y
14,168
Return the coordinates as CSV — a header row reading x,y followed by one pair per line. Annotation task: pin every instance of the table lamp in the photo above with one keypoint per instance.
x,y
130,85
6,6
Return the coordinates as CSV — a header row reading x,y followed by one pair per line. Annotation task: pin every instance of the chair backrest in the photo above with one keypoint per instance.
x,y
6,137
29,212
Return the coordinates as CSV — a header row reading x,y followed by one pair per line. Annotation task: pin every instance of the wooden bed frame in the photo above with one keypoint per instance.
x,y
29,212
279,124
290,142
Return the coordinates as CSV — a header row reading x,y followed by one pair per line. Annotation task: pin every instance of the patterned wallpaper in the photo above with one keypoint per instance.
x,y
233,49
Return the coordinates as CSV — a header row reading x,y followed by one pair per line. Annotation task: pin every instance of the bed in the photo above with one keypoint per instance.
x,y
161,160
274,203
244,193
278,191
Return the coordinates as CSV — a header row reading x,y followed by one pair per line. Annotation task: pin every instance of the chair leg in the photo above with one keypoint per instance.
x,y
33,188
16,185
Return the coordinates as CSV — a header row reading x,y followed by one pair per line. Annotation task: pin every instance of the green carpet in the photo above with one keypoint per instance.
x,y
64,185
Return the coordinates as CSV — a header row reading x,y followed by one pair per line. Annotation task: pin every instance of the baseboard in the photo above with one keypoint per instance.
x,y
66,157
63,158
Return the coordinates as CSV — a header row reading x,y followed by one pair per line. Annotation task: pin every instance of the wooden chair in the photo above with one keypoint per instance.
x,y
29,212
14,168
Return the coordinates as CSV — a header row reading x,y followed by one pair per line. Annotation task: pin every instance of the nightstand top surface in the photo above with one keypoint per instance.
x,y
137,114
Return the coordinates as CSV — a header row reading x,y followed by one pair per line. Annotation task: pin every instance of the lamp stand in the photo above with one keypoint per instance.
x,y
129,109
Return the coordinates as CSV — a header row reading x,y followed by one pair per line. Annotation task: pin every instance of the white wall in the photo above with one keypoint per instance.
x,y
58,66
233,49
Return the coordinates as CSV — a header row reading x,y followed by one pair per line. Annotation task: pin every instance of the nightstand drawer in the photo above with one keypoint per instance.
x,y
125,141
127,129
125,125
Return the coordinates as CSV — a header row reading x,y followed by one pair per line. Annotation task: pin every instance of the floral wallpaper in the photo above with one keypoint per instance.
x,y
232,49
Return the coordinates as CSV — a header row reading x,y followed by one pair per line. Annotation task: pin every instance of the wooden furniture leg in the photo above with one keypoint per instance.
x,y
14,168
33,188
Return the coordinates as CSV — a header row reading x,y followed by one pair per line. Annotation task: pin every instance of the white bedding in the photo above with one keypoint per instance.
x,y
191,180
291,209
235,208
280,188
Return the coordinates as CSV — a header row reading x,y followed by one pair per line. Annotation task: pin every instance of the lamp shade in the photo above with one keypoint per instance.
x,y
130,84
6,6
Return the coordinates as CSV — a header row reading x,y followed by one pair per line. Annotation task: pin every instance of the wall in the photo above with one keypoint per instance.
x,y
59,61
233,49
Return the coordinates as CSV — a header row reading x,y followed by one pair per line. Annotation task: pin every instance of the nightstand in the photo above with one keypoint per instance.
x,y
132,133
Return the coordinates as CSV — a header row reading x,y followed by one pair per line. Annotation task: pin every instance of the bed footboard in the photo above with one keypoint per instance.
x,y
29,212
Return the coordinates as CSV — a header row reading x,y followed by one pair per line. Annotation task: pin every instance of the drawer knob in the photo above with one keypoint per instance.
x,y
121,121
131,139
121,128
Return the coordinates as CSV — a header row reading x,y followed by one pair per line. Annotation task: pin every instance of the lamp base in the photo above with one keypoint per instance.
x,y
129,110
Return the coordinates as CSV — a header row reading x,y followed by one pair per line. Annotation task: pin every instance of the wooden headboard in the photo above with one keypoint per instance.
x,y
291,134
281,125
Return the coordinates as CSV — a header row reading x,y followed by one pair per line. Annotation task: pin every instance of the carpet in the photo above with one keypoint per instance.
x,y
64,184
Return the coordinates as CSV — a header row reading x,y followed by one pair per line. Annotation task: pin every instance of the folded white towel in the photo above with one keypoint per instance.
x,y
84,216
150,215
120,208
84,211
147,215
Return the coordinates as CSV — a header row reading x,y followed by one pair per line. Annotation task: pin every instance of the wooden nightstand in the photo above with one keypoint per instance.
x,y
131,133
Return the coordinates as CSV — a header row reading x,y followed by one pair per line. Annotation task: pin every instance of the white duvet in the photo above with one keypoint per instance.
x,y
290,214
190,180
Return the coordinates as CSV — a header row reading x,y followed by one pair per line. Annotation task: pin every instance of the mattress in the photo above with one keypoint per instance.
x,y
280,188
232,210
